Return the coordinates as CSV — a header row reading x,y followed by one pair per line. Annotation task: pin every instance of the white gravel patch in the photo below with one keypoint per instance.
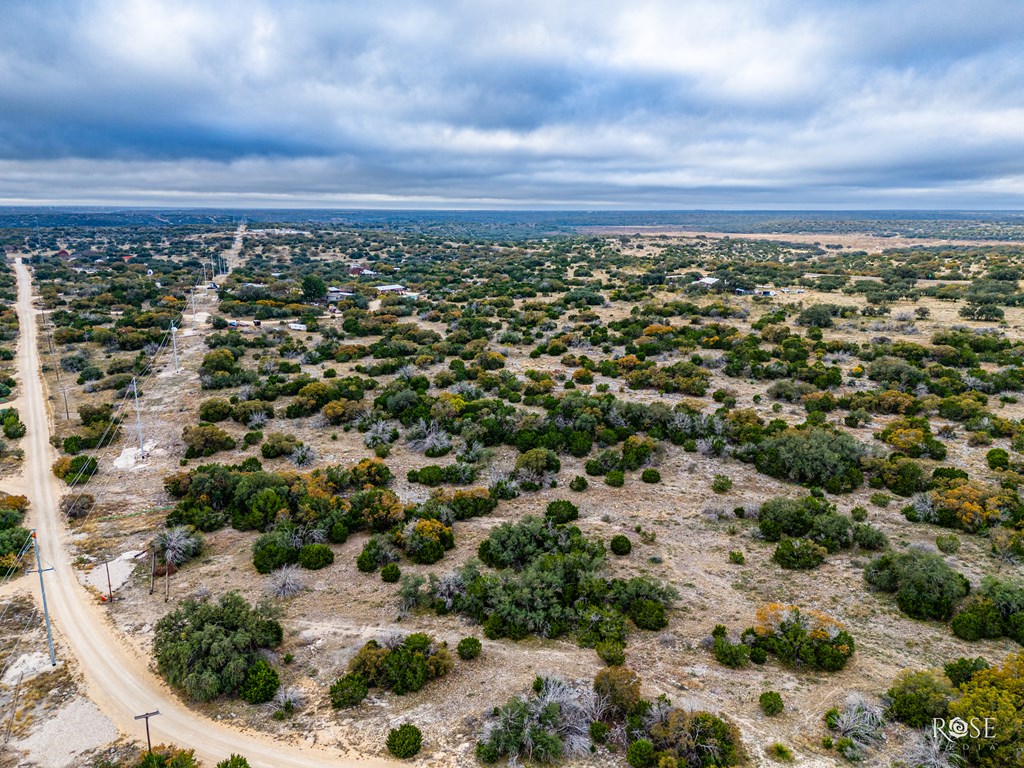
x,y
120,571
75,728
31,664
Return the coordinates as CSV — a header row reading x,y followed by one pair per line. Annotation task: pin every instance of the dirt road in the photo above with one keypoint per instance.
x,y
118,679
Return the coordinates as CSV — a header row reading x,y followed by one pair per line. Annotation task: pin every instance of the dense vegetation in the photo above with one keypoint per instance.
x,y
580,366
210,649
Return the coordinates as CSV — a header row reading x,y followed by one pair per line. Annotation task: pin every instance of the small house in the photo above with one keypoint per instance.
x,y
707,282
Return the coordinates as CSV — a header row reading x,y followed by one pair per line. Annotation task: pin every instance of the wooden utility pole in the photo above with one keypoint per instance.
x,y
110,589
14,708
152,574
67,413
146,716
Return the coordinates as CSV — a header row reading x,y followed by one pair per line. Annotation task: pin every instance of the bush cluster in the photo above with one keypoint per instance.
x,y
550,583
770,703
404,741
402,667
13,537
207,649
568,720
797,638
996,610
925,587
468,648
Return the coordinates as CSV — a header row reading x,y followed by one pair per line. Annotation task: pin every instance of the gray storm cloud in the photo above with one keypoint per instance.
x,y
643,105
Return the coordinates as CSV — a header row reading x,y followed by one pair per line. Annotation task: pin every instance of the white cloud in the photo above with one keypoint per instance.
x,y
527,101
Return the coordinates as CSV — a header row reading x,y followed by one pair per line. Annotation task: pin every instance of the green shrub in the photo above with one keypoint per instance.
x,y
693,737
732,655
348,691
274,550
925,587
737,558
13,427
963,670
428,540
998,458
611,652
339,533
770,702
561,512
405,668
833,532
261,683
404,741
780,752
859,514
215,409
799,554
206,441
315,556
918,697
879,499
621,545
650,475
167,757
780,517
468,648
535,597
640,754
184,635
78,470
279,444
816,456
849,749
578,483
235,761
948,543
978,619
866,536
620,687
648,614
376,552
599,732
801,638
721,484
527,729
390,573
615,478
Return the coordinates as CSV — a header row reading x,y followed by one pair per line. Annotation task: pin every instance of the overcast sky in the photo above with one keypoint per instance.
x,y
530,103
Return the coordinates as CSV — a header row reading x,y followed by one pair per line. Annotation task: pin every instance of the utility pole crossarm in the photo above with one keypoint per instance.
x,y
145,716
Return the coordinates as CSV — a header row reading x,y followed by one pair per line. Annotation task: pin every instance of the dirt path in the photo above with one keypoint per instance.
x,y
232,256
118,679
